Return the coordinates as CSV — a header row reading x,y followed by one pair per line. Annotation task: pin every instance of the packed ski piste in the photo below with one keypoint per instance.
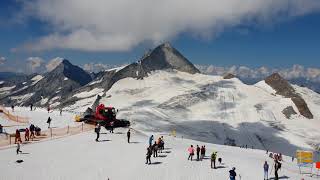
x,y
113,150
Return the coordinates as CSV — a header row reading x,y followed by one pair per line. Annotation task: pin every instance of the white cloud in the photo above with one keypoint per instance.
x,y
35,64
118,25
53,63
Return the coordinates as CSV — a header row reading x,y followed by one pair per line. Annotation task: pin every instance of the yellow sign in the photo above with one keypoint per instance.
x,y
304,157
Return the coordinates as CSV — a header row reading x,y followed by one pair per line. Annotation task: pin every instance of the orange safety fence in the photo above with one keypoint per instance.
x,y
12,117
47,134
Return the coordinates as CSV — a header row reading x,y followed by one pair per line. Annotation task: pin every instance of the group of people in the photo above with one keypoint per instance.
x,y
29,133
201,152
154,148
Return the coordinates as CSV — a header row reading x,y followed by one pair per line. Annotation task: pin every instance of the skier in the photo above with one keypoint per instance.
x,y
128,135
213,159
27,134
162,143
198,152
148,155
31,106
266,169
233,174
18,148
12,107
49,122
60,111
1,129
48,109
191,152
277,166
202,152
97,131
17,137
32,128
150,140
155,149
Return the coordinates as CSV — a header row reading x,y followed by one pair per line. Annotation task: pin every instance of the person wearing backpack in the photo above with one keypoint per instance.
x,y
191,152
232,174
97,131
266,169
213,159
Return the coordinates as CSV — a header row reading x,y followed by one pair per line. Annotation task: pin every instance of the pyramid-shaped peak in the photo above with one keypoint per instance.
x,y
166,45
166,56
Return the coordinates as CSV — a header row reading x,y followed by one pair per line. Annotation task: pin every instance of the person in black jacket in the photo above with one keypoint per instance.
x,y
233,174
198,152
128,135
148,155
97,131
49,121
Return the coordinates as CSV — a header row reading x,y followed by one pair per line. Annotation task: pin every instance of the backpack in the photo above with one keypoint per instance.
x,y
213,156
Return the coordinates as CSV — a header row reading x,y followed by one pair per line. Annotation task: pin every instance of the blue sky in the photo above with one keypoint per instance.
x,y
282,43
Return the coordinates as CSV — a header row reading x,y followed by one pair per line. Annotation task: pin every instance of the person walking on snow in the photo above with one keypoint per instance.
x,y
12,107
97,131
31,106
27,134
202,152
277,166
150,140
48,109
18,148
198,153
128,135
17,137
191,152
32,129
148,155
266,169
111,126
233,174
213,159
49,122
155,148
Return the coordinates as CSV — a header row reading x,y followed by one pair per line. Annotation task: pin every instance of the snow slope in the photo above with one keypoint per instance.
x,y
212,109
39,118
79,157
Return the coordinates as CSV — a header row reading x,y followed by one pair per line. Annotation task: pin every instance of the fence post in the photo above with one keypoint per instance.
x,y
51,132
68,130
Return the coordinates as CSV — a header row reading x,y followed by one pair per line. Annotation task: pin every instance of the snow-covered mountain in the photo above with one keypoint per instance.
x,y
45,89
213,109
164,91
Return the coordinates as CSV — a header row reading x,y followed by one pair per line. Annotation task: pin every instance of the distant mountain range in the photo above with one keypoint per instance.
x,y
297,74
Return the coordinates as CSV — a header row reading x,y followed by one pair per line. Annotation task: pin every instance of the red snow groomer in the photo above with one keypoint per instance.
x,y
105,116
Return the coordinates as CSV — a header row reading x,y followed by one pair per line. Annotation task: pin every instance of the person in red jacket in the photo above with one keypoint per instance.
x,y
17,137
27,134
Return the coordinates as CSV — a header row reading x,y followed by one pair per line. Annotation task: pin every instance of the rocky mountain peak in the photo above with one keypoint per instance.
x,y
167,57
284,88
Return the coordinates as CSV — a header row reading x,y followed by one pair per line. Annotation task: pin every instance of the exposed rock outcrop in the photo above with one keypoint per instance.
x,y
282,87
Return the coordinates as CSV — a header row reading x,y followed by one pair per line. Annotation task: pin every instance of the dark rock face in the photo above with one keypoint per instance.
x,y
288,112
167,57
229,76
283,88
